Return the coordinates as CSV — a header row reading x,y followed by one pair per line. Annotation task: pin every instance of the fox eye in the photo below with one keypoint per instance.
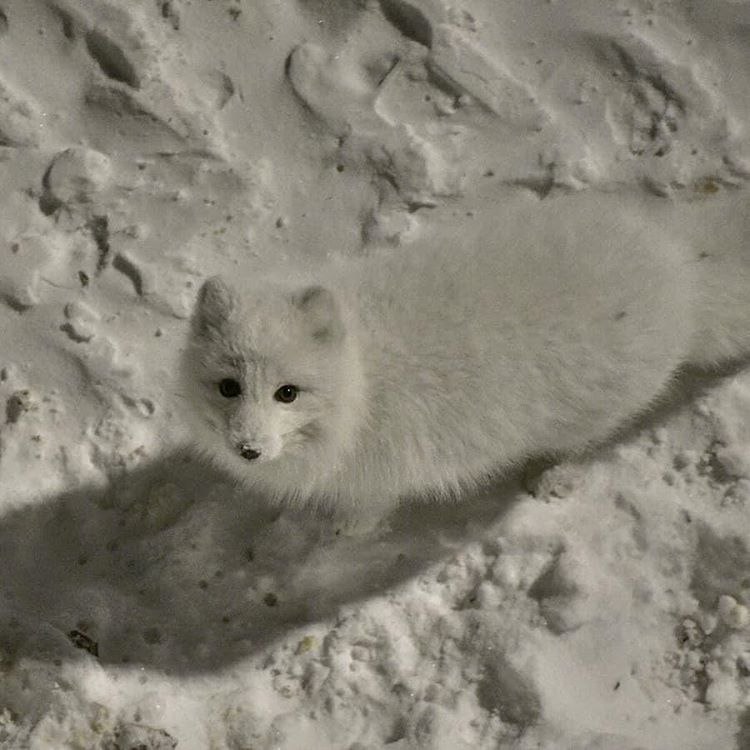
x,y
286,394
230,388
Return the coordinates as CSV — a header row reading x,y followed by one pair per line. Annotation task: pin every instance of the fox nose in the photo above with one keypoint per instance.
x,y
248,452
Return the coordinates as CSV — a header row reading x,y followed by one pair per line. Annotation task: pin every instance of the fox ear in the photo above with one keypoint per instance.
x,y
214,305
321,314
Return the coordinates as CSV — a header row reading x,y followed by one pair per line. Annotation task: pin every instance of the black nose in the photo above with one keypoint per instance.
x,y
247,452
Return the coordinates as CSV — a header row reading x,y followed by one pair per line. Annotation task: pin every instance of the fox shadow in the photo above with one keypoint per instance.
x,y
170,566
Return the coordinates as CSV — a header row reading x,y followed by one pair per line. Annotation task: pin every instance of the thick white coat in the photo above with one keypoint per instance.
x,y
424,370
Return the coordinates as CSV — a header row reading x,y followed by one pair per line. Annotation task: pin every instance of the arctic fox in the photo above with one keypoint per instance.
x,y
425,370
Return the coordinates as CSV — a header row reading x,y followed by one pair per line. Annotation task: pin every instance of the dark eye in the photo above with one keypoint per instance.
x,y
230,388
286,394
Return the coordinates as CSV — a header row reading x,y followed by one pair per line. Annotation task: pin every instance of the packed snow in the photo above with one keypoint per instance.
x,y
601,603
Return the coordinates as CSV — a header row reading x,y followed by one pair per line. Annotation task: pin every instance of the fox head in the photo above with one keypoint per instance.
x,y
270,373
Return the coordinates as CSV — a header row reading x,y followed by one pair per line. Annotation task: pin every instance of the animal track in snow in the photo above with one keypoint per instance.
x,y
75,175
559,593
342,95
20,282
101,41
456,58
459,64
504,690
140,274
111,58
662,102
409,19
334,87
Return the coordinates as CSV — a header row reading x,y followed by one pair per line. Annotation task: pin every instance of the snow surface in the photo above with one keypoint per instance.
x,y
146,603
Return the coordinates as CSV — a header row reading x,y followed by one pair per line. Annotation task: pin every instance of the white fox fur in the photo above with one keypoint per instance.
x,y
424,370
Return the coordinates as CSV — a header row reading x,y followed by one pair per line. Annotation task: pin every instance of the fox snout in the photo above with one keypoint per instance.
x,y
248,451
257,448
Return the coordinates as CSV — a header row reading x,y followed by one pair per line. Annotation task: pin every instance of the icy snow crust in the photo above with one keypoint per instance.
x,y
147,144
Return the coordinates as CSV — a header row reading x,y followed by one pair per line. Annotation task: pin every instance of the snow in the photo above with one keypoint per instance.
x,y
145,601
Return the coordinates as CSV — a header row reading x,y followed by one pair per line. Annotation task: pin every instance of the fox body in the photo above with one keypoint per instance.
x,y
423,371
